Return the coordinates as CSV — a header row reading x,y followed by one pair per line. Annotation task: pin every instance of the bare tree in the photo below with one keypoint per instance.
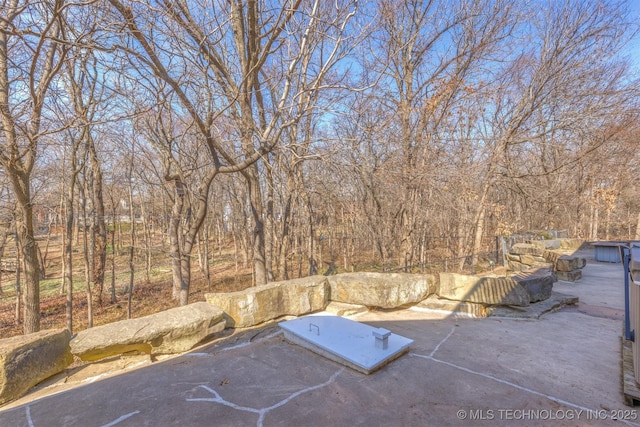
x,y
233,65
428,59
561,100
31,56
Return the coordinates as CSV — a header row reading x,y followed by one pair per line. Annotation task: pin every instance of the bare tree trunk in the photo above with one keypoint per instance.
x,y
285,238
220,235
18,281
185,266
183,241
164,222
4,232
132,237
257,213
67,259
596,222
477,239
479,221
29,252
67,232
120,238
269,224
63,209
313,265
175,243
146,234
235,250
462,242
345,259
200,250
637,236
113,258
87,247
99,225
207,269
46,247
76,223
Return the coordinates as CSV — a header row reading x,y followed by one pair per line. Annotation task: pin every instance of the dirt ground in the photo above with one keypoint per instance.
x,y
148,297
227,275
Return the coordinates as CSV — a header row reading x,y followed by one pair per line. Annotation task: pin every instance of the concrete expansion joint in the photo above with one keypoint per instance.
x,y
431,356
262,412
110,424
247,343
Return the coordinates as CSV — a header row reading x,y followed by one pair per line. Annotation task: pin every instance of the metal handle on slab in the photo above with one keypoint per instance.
x,y
311,325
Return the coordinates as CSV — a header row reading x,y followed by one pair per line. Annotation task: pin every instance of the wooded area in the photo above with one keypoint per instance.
x,y
308,137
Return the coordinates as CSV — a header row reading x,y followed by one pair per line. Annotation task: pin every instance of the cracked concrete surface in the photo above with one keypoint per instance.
x,y
561,369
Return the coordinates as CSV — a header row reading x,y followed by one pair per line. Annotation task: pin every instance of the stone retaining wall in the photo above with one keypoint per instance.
x,y
38,356
27,360
260,304
298,297
536,254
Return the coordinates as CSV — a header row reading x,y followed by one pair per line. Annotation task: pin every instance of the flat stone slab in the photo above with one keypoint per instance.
x,y
455,307
384,290
344,309
260,304
172,331
483,290
345,341
571,276
534,311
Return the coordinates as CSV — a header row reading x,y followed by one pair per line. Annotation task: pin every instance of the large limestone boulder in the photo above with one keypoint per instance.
x,y
552,256
171,331
483,290
454,307
530,260
538,283
569,276
571,243
521,289
267,302
29,359
567,266
551,244
569,263
517,266
546,244
527,249
384,290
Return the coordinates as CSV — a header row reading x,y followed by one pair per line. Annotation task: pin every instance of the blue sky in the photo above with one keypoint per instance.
x,y
634,45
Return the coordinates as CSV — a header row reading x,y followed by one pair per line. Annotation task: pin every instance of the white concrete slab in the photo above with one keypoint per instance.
x,y
359,346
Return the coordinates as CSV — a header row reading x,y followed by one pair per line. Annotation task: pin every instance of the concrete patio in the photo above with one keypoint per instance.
x,y
561,369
